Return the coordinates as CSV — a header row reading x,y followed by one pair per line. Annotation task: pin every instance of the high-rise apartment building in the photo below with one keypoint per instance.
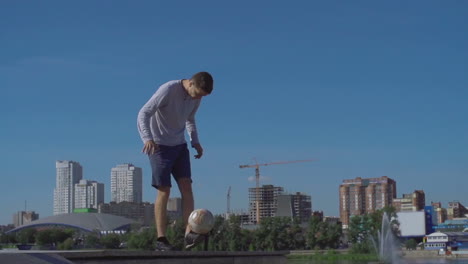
x,y
296,205
418,199
361,196
174,204
415,201
126,184
89,194
267,198
174,208
24,217
68,173
440,213
456,210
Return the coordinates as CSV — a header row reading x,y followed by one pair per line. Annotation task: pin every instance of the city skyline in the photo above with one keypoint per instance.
x,y
66,167
366,89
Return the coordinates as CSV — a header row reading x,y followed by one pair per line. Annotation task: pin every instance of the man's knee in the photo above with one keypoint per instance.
x,y
185,185
164,191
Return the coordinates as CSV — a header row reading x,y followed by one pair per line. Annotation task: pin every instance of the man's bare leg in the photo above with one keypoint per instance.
x,y
160,210
185,187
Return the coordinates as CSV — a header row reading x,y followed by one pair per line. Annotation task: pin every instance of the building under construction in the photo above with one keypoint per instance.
x,y
267,200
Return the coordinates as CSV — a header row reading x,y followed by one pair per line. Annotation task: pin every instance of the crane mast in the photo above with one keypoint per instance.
x,y
228,211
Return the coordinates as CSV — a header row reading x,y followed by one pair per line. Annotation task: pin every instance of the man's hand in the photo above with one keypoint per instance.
x,y
150,147
199,149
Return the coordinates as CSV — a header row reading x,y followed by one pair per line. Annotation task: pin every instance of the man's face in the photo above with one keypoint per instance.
x,y
195,92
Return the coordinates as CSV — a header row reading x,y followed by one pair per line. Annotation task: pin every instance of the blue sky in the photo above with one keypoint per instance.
x,y
368,88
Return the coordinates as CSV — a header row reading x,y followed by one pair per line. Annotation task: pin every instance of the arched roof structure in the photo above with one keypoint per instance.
x,y
88,222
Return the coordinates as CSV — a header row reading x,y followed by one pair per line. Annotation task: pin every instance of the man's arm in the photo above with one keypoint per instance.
x,y
144,116
191,126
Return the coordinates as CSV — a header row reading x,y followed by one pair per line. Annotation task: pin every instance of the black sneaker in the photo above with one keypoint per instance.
x,y
163,246
192,240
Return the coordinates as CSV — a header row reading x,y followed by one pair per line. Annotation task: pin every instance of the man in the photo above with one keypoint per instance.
x,y
162,122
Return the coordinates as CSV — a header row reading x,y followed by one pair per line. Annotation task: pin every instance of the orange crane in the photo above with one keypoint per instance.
x,y
257,178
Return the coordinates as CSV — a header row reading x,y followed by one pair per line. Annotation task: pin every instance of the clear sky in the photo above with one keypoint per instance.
x,y
368,88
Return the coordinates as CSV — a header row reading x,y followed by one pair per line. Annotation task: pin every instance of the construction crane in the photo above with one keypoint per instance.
x,y
228,201
257,178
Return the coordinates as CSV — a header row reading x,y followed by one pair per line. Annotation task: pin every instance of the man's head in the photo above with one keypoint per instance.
x,y
201,84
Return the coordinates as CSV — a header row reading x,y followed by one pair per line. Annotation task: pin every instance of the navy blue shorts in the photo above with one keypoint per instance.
x,y
169,160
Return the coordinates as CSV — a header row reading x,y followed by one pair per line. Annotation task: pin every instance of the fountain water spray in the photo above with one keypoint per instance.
x,y
386,243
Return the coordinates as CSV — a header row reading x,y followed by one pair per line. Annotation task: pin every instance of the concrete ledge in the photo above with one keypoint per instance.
x,y
175,257
32,258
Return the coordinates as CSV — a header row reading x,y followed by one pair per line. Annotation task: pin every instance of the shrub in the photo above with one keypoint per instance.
x,y
91,241
142,240
111,241
66,245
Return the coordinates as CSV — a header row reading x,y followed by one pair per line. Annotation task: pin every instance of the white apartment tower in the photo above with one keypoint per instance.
x,y
89,194
126,183
69,173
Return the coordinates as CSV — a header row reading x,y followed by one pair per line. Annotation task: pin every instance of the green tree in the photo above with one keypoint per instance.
x,y
3,238
53,236
60,235
234,234
247,237
143,239
313,232
361,230
411,244
281,234
322,235
91,240
218,235
175,233
297,239
27,236
111,241
272,234
44,237
8,238
334,233
327,235
392,217
262,237
67,244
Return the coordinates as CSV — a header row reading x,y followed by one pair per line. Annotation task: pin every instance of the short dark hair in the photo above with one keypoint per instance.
x,y
204,81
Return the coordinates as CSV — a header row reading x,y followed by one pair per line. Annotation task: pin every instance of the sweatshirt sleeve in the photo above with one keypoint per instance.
x,y
158,100
191,125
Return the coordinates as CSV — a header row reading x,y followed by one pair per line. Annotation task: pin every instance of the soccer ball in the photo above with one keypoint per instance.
x,y
201,221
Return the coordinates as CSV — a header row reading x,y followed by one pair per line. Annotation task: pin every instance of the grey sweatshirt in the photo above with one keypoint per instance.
x,y
166,115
